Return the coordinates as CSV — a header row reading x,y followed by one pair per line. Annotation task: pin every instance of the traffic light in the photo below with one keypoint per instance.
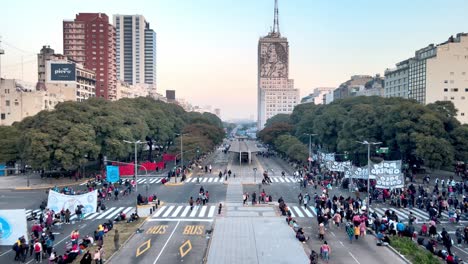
x,y
346,155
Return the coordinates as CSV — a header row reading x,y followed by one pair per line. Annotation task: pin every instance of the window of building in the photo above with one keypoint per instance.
x,y
463,97
445,89
462,114
452,73
3,116
7,102
445,81
452,98
455,90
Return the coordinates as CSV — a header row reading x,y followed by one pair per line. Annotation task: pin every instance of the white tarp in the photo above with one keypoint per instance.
x,y
338,165
12,226
388,174
58,201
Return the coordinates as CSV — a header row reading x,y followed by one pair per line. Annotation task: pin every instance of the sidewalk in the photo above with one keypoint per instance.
x,y
20,182
252,234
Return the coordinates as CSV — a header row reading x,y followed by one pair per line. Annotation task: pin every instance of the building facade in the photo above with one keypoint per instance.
x,y
440,73
89,39
317,97
276,92
19,100
58,74
397,81
136,50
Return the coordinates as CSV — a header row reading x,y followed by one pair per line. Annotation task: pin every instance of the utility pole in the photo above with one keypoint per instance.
x,y
310,150
136,161
365,142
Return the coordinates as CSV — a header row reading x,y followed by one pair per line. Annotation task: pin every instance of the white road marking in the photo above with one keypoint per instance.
x,y
212,210
168,211
177,210
165,244
354,257
202,211
184,213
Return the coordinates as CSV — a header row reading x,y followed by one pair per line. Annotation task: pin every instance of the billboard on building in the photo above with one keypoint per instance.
x,y
170,94
60,72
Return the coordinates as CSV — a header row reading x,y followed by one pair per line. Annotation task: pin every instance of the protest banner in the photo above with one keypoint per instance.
x,y
58,201
12,226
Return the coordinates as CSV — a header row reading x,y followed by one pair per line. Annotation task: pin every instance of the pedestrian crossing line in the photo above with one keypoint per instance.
x,y
126,211
184,213
168,211
155,180
292,212
159,211
416,214
401,216
93,215
211,212
30,212
176,211
108,211
210,180
308,213
202,211
298,211
194,211
287,180
205,179
116,212
274,179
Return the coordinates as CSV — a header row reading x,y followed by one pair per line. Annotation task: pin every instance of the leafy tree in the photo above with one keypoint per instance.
x,y
279,118
9,141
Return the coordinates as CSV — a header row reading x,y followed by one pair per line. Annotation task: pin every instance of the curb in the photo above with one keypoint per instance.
x,y
47,187
126,241
402,257
174,184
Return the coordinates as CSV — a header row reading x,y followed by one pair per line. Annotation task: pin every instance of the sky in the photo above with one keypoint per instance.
x,y
207,49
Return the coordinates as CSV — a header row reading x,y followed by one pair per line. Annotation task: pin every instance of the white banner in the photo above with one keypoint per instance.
x,y
337,165
58,201
12,226
388,174
357,173
327,156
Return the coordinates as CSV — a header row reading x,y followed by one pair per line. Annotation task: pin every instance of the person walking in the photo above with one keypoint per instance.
x,y
244,198
116,239
357,232
325,251
306,200
300,199
191,203
350,231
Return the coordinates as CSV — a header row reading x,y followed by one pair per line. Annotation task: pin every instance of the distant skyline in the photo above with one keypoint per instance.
x,y
207,49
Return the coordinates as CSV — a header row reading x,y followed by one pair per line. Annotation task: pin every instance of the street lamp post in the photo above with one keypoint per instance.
x,y
365,142
310,150
136,157
255,174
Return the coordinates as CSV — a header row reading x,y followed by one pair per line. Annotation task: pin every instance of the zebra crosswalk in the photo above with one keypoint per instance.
x,y
277,179
110,213
148,180
301,211
178,212
403,213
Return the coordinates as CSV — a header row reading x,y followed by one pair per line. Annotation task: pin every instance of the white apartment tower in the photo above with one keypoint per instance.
x,y
276,92
136,50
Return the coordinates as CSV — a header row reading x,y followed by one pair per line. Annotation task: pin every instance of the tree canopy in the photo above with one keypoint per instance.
x,y
412,132
78,131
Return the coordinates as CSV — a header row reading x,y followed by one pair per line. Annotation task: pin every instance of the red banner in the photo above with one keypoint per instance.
x,y
152,166
126,170
168,157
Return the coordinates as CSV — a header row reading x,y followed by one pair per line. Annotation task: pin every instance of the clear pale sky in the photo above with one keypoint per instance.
x,y
207,49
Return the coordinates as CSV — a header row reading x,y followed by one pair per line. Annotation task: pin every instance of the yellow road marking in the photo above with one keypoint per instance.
x,y
147,245
183,251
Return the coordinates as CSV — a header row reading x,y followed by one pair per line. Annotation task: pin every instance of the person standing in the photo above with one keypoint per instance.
x,y
67,216
116,239
244,198
300,199
38,251
350,231
97,256
254,198
321,231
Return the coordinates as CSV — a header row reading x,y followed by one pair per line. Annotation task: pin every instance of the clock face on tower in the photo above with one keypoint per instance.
x,y
274,60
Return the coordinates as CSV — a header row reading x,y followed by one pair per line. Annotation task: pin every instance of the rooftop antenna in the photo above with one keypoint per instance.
x,y
276,28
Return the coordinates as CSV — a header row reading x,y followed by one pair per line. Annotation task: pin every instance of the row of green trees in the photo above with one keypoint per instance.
x,y
429,134
75,133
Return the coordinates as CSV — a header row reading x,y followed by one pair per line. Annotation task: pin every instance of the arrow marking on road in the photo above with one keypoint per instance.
x,y
143,247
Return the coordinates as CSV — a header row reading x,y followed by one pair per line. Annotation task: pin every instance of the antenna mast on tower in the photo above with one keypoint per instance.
x,y
276,28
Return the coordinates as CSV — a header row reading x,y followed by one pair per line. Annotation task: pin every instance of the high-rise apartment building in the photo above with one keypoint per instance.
x,y
89,39
276,92
136,50
435,73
